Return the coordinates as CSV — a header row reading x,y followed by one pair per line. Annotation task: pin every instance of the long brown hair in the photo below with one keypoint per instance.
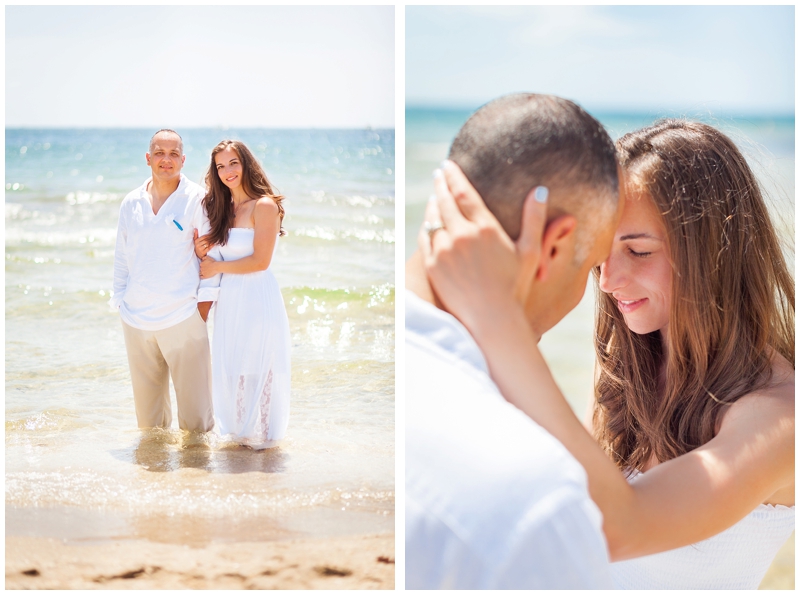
x,y
732,305
218,203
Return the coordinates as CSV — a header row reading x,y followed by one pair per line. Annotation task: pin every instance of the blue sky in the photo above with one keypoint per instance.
x,y
179,66
737,59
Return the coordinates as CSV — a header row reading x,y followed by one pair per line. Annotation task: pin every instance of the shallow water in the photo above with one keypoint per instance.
x,y
77,466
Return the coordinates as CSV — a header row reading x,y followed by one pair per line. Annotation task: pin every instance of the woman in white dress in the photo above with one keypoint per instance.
x,y
694,400
251,371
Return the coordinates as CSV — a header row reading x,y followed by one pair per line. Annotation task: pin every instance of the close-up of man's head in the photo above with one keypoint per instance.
x,y
518,142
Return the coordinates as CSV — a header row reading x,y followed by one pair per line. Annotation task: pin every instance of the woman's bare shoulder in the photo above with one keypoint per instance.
x,y
267,204
266,215
774,402
758,431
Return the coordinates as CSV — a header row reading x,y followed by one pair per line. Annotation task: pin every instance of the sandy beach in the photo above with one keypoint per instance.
x,y
353,562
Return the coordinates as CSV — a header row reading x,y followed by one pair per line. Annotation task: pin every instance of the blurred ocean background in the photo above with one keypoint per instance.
x,y
77,466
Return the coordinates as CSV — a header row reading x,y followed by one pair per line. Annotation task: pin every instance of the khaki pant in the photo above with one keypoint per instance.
x,y
181,351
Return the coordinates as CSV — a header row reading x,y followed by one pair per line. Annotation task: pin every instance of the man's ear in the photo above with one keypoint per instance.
x,y
557,242
147,158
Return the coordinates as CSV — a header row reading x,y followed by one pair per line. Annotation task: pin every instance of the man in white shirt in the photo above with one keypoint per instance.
x,y
162,302
492,500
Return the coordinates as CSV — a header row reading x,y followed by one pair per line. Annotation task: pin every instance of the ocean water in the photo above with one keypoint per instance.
x,y
77,467
767,142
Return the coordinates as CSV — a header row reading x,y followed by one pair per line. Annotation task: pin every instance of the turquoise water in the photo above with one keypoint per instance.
x,y
72,446
767,142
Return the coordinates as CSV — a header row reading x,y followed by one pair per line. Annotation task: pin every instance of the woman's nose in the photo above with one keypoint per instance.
x,y
612,275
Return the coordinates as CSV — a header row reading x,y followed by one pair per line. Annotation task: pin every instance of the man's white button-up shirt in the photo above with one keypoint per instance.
x,y
492,500
156,272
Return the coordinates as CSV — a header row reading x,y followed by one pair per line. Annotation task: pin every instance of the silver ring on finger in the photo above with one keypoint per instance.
x,y
432,228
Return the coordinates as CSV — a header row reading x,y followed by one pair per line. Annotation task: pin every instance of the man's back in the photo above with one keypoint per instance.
x,y
492,500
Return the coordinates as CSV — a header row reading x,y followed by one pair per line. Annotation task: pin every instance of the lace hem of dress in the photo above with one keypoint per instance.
x,y
262,427
260,433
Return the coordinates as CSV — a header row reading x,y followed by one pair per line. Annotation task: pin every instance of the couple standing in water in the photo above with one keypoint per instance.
x,y
179,249
683,474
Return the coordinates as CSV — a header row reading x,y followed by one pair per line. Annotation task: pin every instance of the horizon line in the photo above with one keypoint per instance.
x,y
620,110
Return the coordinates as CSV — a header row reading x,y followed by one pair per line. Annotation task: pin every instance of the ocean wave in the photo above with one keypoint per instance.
x,y
82,198
355,200
96,237
382,236
94,490
324,300
13,210
342,326
45,422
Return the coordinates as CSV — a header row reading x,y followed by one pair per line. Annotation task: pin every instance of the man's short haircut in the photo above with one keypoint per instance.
x,y
170,131
520,141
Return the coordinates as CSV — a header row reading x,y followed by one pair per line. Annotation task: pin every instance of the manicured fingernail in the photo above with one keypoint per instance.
x,y
445,164
540,194
437,173
431,198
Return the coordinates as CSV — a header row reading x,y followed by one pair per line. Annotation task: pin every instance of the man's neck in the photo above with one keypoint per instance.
x,y
417,280
161,190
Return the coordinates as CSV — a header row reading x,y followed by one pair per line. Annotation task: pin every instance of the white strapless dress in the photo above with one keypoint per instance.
x,y
737,558
251,369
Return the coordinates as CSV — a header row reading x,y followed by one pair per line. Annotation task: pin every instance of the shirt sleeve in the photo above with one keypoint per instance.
x,y
208,291
120,263
564,550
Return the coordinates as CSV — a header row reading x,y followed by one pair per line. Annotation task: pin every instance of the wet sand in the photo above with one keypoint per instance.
x,y
351,562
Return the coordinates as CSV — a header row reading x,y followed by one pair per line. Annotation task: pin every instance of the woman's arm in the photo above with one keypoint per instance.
x,y
267,226
202,244
676,503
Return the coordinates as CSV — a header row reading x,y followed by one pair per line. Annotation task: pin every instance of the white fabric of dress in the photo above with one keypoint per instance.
x,y
737,558
251,365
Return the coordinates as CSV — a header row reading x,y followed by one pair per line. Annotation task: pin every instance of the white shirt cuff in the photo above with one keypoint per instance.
x,y
116,300
208,294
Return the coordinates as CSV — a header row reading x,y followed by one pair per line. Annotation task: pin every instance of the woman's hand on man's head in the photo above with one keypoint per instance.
x,y
472,264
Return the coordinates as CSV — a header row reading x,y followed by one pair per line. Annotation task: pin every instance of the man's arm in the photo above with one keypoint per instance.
x,y
120,264
208,290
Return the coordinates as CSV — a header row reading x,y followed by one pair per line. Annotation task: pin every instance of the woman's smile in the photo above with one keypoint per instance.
x,y
628,306
229,167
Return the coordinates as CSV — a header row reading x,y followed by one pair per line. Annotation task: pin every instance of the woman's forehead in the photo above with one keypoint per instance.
x,y
226,154
640,215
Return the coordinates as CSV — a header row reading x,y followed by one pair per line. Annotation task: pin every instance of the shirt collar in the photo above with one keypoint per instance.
x,y
181,189
442,329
